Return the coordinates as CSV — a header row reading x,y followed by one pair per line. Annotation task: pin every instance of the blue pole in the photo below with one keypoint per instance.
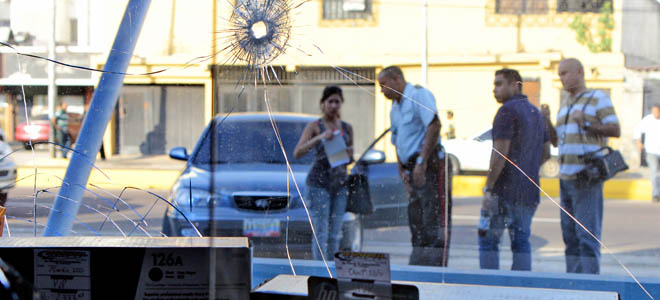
x,y
100,111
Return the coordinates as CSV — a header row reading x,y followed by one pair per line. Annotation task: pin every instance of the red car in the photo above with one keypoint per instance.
x,y
39,129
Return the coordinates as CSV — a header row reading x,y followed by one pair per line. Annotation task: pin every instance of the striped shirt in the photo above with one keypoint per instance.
x,y
575,141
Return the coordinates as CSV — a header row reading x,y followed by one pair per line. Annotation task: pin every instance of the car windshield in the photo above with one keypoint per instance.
x,y
251,141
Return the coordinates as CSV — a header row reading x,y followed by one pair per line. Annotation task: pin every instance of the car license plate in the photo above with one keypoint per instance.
x,y
261,227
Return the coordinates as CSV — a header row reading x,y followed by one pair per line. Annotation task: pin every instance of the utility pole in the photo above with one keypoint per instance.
x,y
425,44
52,88
69,198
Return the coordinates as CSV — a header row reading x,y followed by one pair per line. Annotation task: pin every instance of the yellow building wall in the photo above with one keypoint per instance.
x,y
456,28
172,28
459,31
467,42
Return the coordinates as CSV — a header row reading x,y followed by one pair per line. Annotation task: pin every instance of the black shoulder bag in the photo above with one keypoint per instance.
x,y
601,168
359,198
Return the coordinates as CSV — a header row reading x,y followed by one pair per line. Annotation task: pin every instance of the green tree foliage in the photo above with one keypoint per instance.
x,y
602,41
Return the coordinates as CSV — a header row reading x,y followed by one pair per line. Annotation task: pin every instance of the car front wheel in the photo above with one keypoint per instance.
x,y
167,227
351,239
550,168
455,165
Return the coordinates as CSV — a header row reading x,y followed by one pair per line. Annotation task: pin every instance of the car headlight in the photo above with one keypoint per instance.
x,y
199,198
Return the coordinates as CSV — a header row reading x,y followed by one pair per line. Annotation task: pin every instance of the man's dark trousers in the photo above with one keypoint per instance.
x,y
429,214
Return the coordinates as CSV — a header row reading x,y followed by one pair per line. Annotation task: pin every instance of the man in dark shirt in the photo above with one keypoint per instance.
x,y
510,197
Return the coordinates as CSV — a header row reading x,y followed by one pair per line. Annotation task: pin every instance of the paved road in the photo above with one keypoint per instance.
x,y
631,229
631,233
134,206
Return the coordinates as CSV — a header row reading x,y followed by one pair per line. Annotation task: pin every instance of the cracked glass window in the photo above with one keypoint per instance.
x,y
452,139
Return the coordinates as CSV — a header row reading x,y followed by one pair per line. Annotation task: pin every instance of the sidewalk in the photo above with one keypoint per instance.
x,y
146,172
42,158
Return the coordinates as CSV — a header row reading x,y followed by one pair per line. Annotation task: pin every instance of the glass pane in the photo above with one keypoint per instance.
x,y
250,118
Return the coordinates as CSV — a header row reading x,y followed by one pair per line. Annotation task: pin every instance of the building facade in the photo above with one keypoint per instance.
x,y
346,42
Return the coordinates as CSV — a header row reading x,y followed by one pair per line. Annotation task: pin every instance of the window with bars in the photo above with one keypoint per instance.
x,y
521,6
581,5
4,13
346,9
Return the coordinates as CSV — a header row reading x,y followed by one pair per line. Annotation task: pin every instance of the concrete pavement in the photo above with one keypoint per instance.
x,y
145,172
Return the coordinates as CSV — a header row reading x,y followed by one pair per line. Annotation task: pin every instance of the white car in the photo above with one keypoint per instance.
x,y
7,169
473,155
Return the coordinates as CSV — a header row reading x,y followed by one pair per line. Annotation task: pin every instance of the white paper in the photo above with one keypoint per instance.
x,y
335,149
364,266
62,273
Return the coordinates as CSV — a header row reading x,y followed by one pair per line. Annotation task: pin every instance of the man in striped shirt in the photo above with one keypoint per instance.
x,y
585,120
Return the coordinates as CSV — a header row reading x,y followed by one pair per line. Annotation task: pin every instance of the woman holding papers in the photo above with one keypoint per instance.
x,y
332,140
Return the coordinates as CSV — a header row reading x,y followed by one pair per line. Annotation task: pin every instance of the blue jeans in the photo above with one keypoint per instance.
x,y
327,212
653,160
585,202
64,139
517,218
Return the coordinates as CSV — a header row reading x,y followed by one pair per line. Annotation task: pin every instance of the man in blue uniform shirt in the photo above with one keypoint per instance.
x,y
510,198
422,167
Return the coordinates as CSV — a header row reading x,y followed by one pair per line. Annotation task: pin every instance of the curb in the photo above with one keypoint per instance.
x,y
629,189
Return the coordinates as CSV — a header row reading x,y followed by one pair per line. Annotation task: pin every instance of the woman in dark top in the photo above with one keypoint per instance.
x,y
326,186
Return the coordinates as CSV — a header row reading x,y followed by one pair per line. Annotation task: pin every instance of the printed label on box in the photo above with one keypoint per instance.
x,y
62,273
177,274
364,266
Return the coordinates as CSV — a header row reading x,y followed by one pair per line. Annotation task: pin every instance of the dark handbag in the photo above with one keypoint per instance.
x,y
601,168
359,199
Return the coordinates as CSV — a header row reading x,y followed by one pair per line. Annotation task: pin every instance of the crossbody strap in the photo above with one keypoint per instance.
x,y
568,116
582,136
